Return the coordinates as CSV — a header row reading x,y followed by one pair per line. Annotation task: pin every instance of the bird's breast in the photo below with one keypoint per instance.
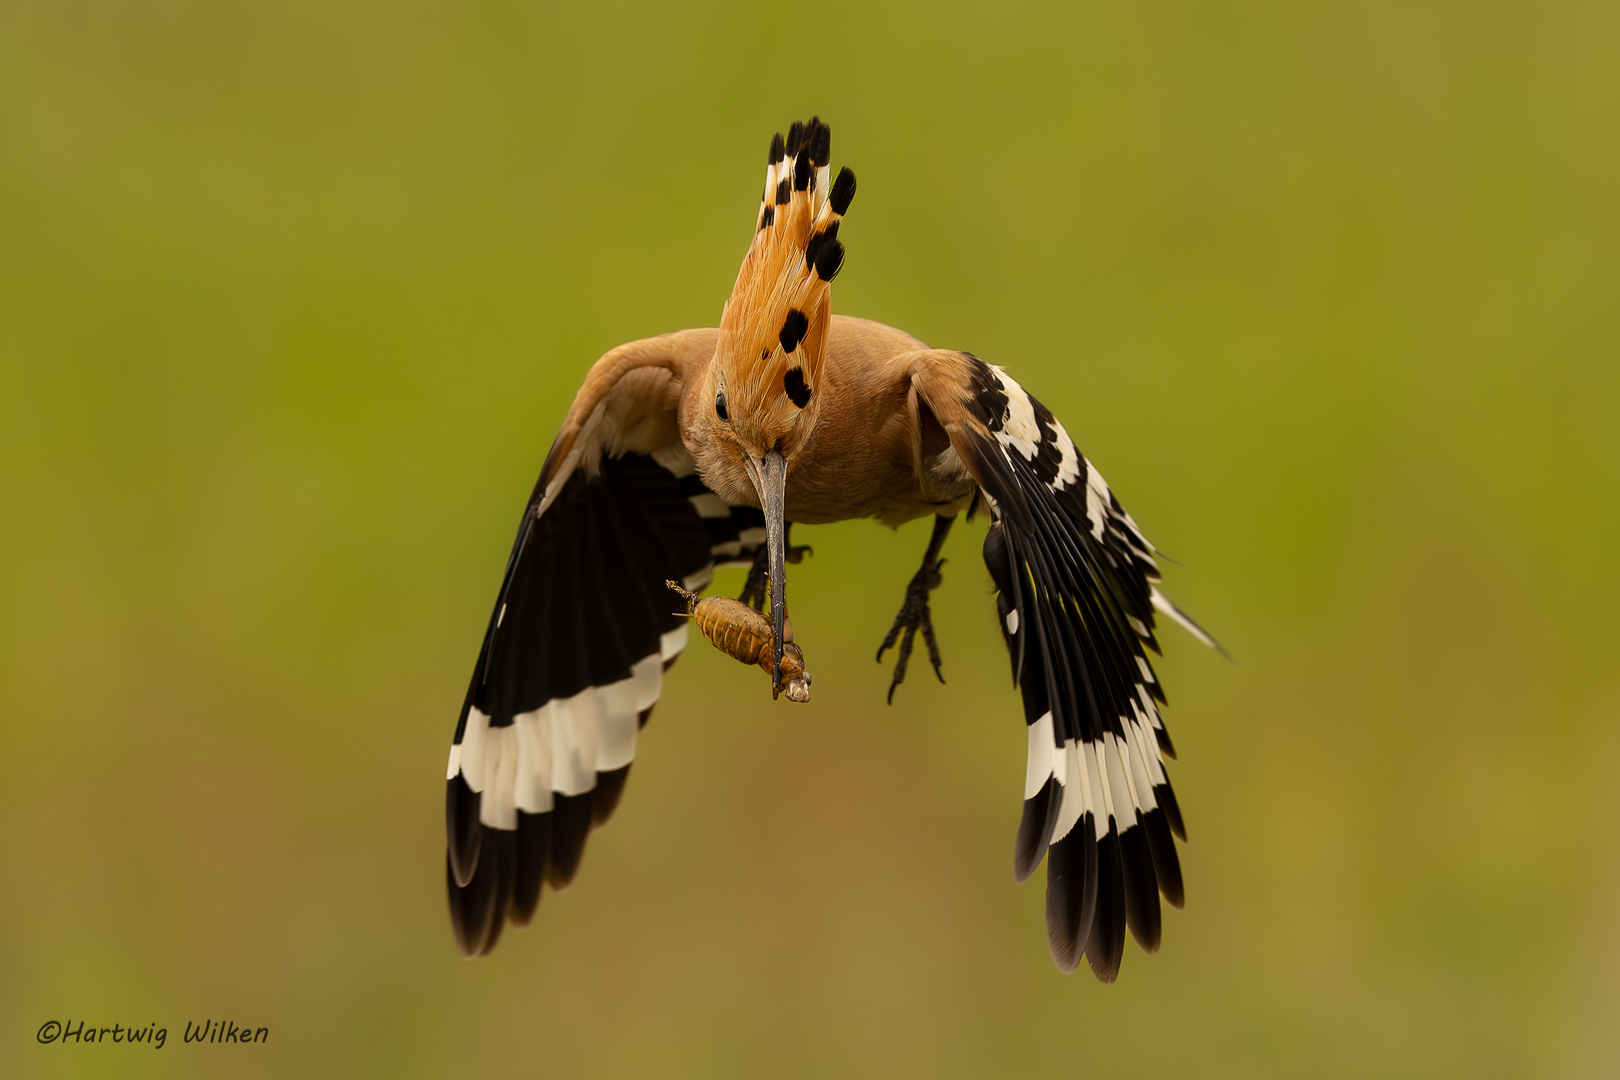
x,y
836,479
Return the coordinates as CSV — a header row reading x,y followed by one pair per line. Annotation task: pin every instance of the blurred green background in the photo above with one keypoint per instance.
x,y
293,297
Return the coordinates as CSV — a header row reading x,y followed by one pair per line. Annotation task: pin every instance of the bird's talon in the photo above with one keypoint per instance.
x,y
914,616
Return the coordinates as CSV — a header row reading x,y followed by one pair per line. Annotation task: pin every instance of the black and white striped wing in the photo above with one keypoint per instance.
x,y
571,664
1077,597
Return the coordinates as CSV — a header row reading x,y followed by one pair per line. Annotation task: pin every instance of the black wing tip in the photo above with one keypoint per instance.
x,y
463,831
516,864
478,909
571,825
465,918
1142,913
1105,947
1165,796
533,852
1166,747
1071,894
1035,830
1166,864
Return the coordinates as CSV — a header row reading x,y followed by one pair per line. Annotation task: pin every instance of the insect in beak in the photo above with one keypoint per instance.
x,y
770,478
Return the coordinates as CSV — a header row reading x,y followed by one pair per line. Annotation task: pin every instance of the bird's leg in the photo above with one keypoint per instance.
x,y
755,590
914,614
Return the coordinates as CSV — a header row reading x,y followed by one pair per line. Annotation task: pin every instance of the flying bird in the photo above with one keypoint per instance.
x,y
698,448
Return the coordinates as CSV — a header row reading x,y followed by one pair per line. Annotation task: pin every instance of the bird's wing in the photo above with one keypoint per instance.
x,y
581,633
1077,593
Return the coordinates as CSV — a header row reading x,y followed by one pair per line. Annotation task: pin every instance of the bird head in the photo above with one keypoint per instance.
x,y
765,381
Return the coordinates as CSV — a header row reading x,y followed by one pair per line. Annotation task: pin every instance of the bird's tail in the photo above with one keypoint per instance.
x,y
780,300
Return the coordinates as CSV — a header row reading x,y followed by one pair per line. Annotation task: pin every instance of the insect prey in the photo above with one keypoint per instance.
x,y
744,634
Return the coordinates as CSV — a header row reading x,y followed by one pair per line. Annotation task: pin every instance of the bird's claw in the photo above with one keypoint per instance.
x,y
914,615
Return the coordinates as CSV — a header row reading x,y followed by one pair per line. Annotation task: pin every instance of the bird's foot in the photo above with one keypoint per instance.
x,y
756,589
914,615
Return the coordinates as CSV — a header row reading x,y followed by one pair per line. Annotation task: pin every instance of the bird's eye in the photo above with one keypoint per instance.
x,y
720,406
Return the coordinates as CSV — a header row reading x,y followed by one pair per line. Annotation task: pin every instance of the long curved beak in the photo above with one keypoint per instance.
x,y
770,479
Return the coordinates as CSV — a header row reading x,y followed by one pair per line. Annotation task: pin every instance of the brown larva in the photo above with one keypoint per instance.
x,y
744,634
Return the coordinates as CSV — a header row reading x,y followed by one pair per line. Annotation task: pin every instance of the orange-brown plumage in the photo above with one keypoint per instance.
x,y
768,360
696,448
775,320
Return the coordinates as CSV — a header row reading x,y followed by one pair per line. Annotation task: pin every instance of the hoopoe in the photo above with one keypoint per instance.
x,y
697,449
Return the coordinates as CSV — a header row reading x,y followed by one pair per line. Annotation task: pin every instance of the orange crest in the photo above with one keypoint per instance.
x,y
774,328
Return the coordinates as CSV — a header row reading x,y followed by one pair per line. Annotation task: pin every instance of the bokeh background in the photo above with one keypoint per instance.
x,y
292,299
